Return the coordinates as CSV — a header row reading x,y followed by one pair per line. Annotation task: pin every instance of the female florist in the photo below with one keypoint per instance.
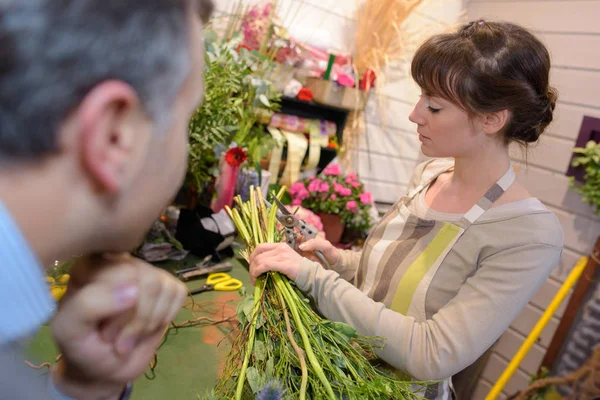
x,y
319,251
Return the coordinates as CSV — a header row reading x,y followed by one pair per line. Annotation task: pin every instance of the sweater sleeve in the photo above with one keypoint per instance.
x,y
347,264
460,331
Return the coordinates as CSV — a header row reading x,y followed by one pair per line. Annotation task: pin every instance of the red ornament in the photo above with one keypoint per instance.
x,y
235,156
368,80
305,94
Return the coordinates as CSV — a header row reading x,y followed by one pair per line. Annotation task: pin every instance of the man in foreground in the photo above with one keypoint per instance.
x,y
95,96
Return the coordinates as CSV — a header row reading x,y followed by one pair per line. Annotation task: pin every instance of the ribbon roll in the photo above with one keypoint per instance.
x,y
276,154
296,150
317,141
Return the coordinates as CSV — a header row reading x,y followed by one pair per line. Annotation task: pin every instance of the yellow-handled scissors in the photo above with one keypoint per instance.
x,y
219,281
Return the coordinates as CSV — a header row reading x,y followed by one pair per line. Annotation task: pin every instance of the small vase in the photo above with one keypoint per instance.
x,y
225,187
332,226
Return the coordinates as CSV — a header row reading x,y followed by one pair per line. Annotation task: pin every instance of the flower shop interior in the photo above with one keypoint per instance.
x,y
304,131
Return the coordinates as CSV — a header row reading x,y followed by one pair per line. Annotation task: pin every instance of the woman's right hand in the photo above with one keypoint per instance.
x,y
331,253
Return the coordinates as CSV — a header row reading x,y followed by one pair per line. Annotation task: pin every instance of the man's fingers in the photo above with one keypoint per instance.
x,y
111,328
168,305
181,294
161,297
85,309
151,295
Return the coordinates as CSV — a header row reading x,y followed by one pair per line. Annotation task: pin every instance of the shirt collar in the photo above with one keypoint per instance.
x,y
24,295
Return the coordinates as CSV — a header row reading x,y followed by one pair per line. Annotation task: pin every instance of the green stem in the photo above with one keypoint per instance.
x,y
307,346
250,344
297,349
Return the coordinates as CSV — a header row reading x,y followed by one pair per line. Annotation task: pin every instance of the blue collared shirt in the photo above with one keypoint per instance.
x,y
24,296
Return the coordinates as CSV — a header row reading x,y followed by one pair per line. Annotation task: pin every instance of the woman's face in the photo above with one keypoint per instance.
x,y
445,129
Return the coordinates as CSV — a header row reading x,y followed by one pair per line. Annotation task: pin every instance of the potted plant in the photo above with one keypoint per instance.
x,y
588,158
238,95
339,200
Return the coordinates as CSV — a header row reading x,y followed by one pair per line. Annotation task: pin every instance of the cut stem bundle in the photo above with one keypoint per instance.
x,y
283,339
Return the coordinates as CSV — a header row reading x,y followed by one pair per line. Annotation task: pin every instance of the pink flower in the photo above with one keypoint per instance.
x,y
355,184
337,187
332,170
314,185
297,188
345,192
296,202
351,177
324,187
334,197
352,206
366,198
298,191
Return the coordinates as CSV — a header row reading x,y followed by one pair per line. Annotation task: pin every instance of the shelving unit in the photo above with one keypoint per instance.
x,y
312,110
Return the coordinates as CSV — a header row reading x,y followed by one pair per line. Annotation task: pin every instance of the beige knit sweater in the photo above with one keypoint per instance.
x,y
484,282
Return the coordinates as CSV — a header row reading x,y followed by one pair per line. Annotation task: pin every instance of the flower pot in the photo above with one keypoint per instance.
x,y
332,226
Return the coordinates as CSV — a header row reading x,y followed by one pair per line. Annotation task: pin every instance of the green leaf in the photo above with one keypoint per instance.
x,y
263,99
270,369
260,351
241,314
254,380
344,329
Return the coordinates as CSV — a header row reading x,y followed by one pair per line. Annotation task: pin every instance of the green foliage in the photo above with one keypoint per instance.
x,y
589,159
283,339
237,93
217,118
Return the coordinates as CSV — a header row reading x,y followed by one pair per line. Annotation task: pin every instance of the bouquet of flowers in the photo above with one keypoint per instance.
x,y
335,193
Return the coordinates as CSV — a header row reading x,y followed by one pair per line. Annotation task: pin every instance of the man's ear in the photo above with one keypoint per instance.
x,y
110,134
495,122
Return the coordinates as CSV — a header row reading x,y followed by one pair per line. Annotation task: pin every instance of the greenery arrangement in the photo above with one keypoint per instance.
x,y
589,159
334,193
283,340
238,93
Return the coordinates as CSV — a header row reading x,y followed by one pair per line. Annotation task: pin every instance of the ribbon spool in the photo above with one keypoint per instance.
x,y
317,141
276,154
297,147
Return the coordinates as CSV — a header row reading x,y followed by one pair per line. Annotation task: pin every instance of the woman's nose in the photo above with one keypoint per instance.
x,y
416,115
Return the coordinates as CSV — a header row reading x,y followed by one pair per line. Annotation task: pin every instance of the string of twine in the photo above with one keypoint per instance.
x,y
585,381
186,324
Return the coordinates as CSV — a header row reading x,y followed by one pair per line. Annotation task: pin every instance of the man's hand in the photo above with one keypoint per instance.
x,y
110,323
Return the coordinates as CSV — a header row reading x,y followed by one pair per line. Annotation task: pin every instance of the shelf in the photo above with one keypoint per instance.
x,y
312,110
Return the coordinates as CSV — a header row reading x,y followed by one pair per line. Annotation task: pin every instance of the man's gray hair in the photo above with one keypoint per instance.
x,y
53,52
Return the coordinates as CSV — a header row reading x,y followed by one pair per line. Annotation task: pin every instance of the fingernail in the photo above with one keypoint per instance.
x,y
124,346
302,246
126,294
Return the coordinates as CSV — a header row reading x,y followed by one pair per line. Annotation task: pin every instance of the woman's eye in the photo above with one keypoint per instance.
x,y
433,110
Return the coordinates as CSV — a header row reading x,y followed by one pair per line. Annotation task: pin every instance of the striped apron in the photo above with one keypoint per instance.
x,y
403,253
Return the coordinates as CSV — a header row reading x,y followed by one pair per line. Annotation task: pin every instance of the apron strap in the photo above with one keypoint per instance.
x,y
489,198
427,182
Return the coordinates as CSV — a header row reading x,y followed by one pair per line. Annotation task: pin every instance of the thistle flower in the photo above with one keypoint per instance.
x,y
273,390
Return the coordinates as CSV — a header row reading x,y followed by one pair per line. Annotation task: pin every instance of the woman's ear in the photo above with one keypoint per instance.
x,y
495,122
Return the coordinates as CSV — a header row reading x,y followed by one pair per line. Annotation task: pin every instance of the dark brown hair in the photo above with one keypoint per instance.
x,y
488,67
205,9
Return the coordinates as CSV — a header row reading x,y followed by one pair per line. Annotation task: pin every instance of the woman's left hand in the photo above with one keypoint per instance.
x,y
274,257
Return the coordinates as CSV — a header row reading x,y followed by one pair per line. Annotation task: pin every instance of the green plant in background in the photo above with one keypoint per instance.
x,y
238,95
215,122
589,159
